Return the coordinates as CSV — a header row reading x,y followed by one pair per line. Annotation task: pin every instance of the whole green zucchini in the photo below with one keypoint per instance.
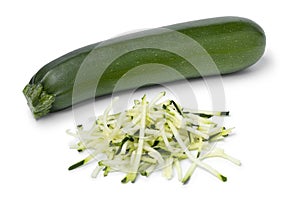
x,y
233,44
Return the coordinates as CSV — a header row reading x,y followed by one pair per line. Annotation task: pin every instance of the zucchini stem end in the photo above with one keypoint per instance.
x,y
38,100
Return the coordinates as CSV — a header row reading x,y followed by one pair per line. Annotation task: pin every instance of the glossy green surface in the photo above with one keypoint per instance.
x,y
233,43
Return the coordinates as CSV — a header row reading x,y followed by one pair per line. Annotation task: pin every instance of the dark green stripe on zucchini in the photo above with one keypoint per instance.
x,y
233,43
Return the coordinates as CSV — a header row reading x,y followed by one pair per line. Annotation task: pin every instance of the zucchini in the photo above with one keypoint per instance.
x,y
232,44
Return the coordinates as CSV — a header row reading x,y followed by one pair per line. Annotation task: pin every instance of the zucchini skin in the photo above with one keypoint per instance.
x,y
233,43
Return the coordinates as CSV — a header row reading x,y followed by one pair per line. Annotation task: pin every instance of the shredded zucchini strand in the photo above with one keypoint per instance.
x,y
152,136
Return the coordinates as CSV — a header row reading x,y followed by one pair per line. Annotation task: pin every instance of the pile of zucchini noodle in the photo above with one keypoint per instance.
x,y
150,137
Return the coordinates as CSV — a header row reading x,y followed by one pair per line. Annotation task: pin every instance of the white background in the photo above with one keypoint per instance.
x,y
263,101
